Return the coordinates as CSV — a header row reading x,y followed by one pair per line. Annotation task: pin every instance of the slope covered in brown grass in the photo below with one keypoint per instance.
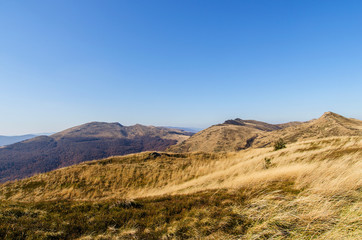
x,y
232,135
328,125
308,163
309,190
236,135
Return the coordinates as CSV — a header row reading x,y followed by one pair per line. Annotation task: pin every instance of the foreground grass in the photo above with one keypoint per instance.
x,y
176,217
279,212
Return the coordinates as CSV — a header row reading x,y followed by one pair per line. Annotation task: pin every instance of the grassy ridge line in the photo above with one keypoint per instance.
x,y
236,135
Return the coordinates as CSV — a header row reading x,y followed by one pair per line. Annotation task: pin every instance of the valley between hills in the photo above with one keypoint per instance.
x,y
229,181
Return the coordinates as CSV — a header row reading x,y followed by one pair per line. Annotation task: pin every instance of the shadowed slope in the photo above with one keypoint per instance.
x,y
85,142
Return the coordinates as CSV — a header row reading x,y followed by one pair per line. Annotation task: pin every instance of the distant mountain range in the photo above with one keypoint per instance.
x,y
98,140
7,140
81,143
187,129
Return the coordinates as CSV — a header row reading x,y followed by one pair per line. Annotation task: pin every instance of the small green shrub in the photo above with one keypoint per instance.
x,y
267,163
280,144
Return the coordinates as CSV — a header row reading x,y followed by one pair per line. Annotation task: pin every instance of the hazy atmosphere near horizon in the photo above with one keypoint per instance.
x,y
176,63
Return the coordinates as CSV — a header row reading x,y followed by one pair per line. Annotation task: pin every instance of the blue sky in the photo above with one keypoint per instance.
x,y
176,63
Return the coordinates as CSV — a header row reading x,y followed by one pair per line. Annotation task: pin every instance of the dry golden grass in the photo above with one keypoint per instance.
x,y
231,137
309,190
328,125
217,138
330,166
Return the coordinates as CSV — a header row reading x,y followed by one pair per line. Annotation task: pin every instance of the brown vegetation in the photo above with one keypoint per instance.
x,y
236,135
310,190
232,135
329,124
308,163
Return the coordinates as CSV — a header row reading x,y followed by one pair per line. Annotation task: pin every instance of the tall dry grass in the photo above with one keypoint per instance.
x,y
330,166
309,190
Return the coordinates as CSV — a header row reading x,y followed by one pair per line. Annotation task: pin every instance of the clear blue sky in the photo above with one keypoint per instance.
x,y
176,63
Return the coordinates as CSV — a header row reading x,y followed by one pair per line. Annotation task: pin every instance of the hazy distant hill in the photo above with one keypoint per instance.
x,y
187,129
6,140
237,134
85,142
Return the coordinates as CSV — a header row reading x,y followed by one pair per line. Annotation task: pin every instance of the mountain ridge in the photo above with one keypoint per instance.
x,y
97,140
85,142
329,124
237,134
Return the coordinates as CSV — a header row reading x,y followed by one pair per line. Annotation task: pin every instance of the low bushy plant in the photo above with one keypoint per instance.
x,y
280,144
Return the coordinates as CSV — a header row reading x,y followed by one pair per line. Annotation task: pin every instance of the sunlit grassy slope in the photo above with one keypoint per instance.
x,y
309,190
330,164
234,135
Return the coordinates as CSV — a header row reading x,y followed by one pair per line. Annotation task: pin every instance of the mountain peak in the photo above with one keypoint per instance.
x,y
329,114
332,116
92,129
236,121
85,142
89,124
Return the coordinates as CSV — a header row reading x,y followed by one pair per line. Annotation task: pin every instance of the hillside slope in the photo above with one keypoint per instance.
x,y
329,124
235,135
232,135
154,173
309,190
81,143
